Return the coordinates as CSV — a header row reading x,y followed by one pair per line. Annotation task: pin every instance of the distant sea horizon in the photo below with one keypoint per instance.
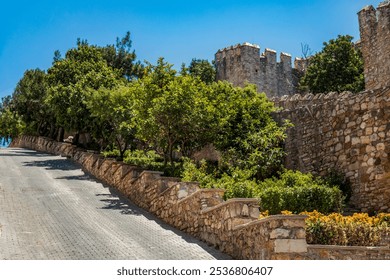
x,y
4,143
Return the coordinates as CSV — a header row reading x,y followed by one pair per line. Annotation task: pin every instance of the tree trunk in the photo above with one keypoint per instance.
x,y
61,133
76,138
52,131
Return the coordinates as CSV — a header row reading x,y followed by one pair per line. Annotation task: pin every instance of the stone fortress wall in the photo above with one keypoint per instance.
x,y
375,37
346,132
243,63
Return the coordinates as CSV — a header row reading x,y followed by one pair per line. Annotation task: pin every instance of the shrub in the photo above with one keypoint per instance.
x,y
193,173
298,192
335,229
298,199
236,183
152,161
146,159
111,153
293,191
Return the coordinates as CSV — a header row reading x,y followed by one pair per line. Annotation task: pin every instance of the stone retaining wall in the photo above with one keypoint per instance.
x,y
232,226
328,252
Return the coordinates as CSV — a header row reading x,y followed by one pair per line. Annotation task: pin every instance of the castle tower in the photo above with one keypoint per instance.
x,y
375,44
243,64
239,64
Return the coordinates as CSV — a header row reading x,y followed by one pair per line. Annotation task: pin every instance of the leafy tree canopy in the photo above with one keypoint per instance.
x,y
71,80
202,69
28,100
11,125
112,111
338,67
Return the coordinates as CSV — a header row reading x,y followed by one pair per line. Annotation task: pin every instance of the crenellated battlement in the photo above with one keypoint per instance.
x,y
243,63
375,37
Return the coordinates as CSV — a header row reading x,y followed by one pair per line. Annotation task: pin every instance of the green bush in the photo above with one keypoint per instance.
x,y
193,173
298,192
111,153
152,161
143,158
298,199
237,184
293,191
335,229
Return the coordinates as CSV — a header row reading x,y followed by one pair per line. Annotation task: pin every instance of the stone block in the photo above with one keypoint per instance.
x,y
290,246
280,233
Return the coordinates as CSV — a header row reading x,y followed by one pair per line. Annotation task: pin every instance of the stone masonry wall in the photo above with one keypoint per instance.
x,y
375,38
243,64
347,132
232,226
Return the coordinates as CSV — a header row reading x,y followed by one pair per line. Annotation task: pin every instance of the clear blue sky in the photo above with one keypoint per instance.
x,y
31,31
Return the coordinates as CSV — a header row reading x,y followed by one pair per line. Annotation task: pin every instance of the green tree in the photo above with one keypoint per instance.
x,y
72,80
113,113
178,117
120,56
202,69
11,125
151,86
338,67
247,135
28,101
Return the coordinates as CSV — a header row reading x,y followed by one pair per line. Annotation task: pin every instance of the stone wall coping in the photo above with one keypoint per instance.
x,y
323,96
198,192
167,190
348,248
383,4
230,201
151,172
271,218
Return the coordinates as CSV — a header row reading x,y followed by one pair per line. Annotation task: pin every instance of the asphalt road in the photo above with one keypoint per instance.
x,y
50,209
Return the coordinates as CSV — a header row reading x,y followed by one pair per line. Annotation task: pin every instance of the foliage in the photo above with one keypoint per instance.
x,y
293,191
28,101
357,230
114,153
247,135
71,80
143,158
202,69
338,67
121,57
298,192
112,111
201,173
173,113
152,161
236,183
11,124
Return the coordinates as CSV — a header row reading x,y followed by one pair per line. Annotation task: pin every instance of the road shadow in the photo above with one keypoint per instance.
x,y
77,177
19,152
117,201
53,164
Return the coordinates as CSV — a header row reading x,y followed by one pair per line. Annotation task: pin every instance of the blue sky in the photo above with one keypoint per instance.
x,y
31,31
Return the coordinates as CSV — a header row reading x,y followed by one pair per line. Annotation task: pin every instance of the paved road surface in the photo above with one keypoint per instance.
x,y
50,209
